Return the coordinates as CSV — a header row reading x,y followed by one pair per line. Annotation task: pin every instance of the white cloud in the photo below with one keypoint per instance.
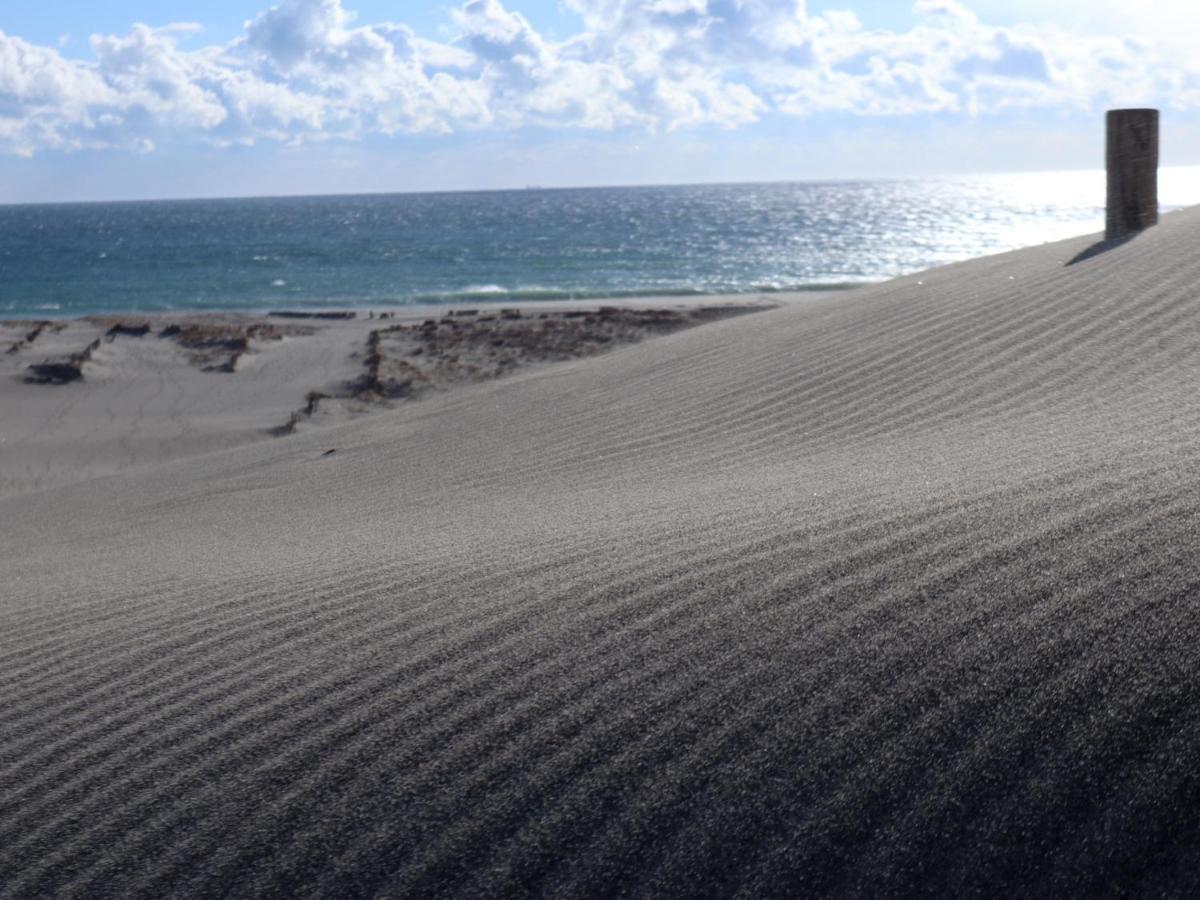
x,y
306,70
151,76
46,101
297,30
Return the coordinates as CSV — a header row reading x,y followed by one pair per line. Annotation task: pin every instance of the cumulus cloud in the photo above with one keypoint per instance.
x,y
306,70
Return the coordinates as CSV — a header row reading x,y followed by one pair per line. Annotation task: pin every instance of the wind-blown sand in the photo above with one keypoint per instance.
x,y
880,592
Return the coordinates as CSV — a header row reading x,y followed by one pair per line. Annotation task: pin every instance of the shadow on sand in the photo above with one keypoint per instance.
x,y
1101,247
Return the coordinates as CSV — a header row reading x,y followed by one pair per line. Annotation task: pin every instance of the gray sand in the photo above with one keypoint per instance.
x,y
882,592
90,397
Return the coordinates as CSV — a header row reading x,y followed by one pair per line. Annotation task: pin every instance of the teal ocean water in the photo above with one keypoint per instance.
x,y
75,259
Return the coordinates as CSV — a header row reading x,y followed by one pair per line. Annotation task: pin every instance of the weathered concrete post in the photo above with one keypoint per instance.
x,y
1131,157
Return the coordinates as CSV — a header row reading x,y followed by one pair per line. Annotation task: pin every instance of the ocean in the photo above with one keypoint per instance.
x,y
59,260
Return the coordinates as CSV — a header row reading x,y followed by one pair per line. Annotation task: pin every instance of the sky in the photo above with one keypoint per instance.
x,y
133,99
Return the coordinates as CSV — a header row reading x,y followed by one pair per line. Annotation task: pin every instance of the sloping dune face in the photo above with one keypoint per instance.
x,y
890,591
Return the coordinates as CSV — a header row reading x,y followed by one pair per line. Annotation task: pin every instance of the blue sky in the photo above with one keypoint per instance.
x,y
132,98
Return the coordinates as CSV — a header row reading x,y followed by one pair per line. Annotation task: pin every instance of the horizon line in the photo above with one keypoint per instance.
x,y
574,187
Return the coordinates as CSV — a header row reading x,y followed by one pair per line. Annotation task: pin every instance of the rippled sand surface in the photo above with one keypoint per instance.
x,y
888,591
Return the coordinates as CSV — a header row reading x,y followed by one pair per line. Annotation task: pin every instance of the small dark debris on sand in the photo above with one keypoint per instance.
x,y
306,314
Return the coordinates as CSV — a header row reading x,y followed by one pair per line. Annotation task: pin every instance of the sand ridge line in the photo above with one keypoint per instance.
x,y
405,361
61,371
33,334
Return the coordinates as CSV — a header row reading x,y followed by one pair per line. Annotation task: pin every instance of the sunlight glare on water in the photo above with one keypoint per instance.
x,y
506,246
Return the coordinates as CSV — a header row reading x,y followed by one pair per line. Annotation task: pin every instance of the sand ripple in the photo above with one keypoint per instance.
x,y
893,591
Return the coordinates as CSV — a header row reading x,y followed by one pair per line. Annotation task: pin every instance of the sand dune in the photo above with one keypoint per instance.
x,y
888,591
90,397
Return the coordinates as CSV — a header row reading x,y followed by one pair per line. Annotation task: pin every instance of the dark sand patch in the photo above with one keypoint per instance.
x,y
469,346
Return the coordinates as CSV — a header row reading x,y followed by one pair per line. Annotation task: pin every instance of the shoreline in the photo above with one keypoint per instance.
x,y
425,310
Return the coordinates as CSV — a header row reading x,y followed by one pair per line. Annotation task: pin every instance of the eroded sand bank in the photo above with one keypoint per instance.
x,y
90,397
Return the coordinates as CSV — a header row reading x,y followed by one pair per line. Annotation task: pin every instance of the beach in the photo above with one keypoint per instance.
x,y
874,592
98,395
